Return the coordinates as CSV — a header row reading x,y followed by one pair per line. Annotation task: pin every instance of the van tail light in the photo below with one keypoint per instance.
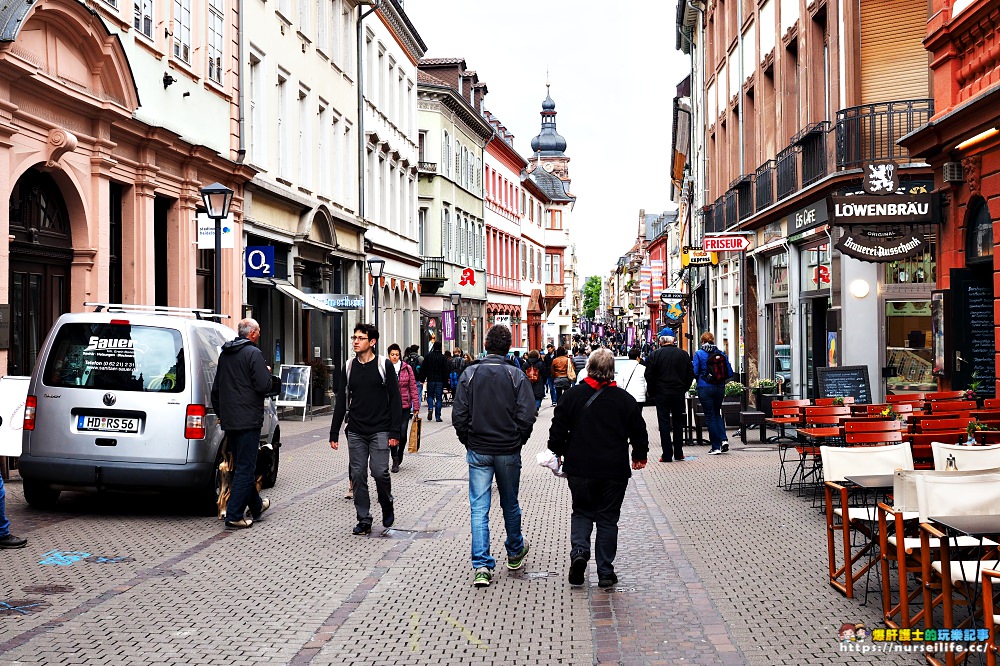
x,y
194,422
30,404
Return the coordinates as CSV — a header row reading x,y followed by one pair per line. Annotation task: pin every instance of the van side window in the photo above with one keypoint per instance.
x,y
116,356
207,343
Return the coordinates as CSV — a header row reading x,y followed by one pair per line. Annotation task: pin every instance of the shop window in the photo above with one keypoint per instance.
x,y
979,233
918,269
778,275
815,267
908,346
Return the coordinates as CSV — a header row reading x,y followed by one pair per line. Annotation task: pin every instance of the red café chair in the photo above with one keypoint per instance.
x,y
905,397
810,465
923,453
828,402
944,395
953,406
991,403
785,413
936,425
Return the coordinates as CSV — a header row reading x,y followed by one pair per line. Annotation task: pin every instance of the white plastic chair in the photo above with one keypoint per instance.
x,y
841,517
966,457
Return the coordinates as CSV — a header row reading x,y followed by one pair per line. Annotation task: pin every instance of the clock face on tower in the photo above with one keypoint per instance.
x,y
548,166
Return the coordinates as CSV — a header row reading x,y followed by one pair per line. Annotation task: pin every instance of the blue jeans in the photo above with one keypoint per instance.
x,y
507,469
243,445
552,389
434,391
711,401
370,452
4,523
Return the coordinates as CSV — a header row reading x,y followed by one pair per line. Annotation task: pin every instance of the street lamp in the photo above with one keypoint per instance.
x,y
375,268
456,301
217,198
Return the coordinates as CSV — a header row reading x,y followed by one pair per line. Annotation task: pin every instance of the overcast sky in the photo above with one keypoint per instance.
x,y
614,72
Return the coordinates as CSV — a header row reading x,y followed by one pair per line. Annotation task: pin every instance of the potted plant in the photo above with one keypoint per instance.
x,y
838,401
972,392
764,391
734,402
765,386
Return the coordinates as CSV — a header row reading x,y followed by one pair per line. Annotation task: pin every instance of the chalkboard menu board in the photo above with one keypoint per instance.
x,y
845,381
977,318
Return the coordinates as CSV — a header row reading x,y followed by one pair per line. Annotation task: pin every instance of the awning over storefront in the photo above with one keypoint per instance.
x,y
308,301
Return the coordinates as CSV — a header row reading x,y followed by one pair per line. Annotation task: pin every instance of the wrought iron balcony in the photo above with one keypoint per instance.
x,y
868,133
788,177
812,141
433,274
427,167
764,186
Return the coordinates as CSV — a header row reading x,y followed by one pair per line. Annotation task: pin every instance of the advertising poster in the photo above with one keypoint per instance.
x,y
448,325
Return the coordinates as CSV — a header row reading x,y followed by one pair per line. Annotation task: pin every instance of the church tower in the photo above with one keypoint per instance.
x,y
548,148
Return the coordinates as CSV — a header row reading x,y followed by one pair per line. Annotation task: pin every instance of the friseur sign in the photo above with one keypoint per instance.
x,y
892,209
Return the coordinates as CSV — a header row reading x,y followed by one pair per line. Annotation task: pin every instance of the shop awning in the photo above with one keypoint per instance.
x,y
307,300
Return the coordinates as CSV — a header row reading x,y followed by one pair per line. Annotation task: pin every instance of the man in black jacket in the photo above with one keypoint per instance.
x,y
494,414
242,381
369,398
434,370
592,428
669,374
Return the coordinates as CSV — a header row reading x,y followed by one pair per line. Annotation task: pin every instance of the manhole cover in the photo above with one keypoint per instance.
x,y
435,454
535,575
448,482
47,589
22,606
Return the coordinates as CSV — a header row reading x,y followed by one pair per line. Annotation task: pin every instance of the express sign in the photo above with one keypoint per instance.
x,y
725,243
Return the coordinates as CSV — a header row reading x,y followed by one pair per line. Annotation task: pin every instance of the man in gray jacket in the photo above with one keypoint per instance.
x,y
493,414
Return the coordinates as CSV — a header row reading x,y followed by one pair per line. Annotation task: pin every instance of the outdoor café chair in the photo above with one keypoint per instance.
x,y
937,425
920,445
828,402
944,395
953,406
899,545
905,397
965,457
951,568
848,519
991,403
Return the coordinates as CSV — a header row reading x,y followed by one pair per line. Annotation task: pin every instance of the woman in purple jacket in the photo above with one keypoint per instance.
x,y
410,397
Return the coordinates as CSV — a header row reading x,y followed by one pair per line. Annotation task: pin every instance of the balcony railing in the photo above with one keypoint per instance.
x,y
764,186
553,290
732,212
503,283
788,177
719,216
812,140
868,133
427,167
433,268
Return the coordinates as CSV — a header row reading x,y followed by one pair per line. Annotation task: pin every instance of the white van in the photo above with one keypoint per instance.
x,y
120,399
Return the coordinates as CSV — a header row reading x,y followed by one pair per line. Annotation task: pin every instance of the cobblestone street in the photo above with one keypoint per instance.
x,y
716,566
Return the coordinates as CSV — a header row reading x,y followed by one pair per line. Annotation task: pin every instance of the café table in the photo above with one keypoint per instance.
x,y
879,487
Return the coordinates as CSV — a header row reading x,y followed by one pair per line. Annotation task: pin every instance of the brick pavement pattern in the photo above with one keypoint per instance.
x,y
716,566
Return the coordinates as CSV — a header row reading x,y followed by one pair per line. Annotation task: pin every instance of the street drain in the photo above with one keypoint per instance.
x,y
436,454
410,534
447,482
535,575
47,589
22,606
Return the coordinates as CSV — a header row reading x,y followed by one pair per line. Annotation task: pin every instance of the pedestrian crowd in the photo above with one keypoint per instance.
x,y
597,436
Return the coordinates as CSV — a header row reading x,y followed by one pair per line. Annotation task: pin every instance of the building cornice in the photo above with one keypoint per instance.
x,y
449,98
398,23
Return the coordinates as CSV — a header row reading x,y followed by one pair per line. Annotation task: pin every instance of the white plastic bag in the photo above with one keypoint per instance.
x,y
548,459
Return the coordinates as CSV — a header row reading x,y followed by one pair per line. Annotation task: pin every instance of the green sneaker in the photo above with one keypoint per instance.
x,y
483,577
516,562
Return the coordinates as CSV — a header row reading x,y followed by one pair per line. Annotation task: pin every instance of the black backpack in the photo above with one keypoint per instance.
x,y
716,370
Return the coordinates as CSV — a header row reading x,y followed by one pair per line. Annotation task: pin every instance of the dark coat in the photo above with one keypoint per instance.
x,y
435,368
538,388
242,381
668,372
494,409
594,441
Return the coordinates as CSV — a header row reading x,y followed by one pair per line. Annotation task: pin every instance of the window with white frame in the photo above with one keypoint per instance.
x,y
143,19
524,260
305,139
421,244
282,120
548,269
322,148
258,147
445,234
305,16
216,38
556,268
182,30
323,25
285,7
445,152
457,174
337,175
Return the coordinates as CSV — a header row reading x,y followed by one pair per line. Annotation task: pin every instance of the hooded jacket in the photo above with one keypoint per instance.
x,y
700,363
494,410
242,381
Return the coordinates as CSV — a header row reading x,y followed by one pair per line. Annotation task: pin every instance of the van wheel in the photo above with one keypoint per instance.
x,y
39,495
270,476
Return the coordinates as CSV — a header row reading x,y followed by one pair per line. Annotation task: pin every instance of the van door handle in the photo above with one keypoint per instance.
x,y
105,441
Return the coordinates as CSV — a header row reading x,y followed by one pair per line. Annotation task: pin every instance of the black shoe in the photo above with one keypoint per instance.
x,y
11,541
395,467
606,582
725,447
664,459
361,529
578,570
438,420
388,518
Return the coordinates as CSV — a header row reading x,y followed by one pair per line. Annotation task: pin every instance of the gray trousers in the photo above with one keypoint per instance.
x,y
364,452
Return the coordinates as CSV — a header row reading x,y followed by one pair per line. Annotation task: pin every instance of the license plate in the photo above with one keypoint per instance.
x,y
107,424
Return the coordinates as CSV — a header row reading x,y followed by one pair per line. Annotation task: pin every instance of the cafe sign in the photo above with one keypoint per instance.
x,y
880,244
892,209
697,256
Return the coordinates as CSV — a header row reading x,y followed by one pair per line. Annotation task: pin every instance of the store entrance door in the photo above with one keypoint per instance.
x,y
813,341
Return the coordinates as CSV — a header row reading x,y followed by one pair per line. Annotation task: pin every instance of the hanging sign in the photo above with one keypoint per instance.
x,y
448,325
880,244
206,232
881,178
259,260
892,209
725,243
696,256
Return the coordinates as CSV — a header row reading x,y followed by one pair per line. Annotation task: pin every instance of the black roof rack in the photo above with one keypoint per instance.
x,y
198,313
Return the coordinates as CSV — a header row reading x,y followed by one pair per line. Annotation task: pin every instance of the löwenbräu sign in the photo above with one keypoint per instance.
x,y
891,209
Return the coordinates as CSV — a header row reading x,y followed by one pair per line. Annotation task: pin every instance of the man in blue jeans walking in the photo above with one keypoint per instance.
x,y
7,540
713,370
434,370
493,414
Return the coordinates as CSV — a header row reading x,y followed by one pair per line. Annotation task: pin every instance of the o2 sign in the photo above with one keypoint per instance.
x,y
259,261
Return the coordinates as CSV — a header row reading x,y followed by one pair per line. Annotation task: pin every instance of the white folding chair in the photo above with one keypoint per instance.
x,y
848,520
966,457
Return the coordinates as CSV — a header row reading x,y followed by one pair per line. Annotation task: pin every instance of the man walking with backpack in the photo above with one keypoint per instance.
x,y
369,398
668,377
713,370
534,370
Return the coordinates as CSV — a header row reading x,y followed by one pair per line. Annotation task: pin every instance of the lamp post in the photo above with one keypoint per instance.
x,y
456,302
618,311
217,199
375,268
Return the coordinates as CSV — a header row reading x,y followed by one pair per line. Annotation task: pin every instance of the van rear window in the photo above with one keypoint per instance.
x,y
118,357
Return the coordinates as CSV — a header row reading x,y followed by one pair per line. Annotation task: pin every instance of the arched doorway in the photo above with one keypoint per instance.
x,y
41,253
